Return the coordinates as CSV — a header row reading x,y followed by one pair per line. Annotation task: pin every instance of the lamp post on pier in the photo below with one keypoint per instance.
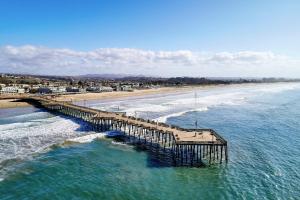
x,y
196,127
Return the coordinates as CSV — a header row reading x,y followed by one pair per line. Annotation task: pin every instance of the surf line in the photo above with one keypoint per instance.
x,y
185,147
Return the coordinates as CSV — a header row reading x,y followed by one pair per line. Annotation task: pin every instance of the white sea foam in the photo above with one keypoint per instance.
x,y
212,99
18,142
145,108
177,114
87,138
14,126
33,119
279,87
119,143
182,106
34,115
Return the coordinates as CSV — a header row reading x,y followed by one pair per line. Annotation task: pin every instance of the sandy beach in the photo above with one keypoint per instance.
x,y
12,103
122,94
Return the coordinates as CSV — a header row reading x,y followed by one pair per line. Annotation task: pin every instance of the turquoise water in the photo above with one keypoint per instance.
x,y
261,124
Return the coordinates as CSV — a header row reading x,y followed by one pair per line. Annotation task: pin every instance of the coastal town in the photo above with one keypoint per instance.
x,y
31,84
14,84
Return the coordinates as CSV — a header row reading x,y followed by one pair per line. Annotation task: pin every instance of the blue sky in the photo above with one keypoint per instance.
x,y
209,27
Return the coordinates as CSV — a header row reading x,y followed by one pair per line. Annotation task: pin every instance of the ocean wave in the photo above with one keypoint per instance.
x,y
209,100
20,141
14,126
146,108
201,104
27,124
119,143
279,87
87,138
34,115
177,114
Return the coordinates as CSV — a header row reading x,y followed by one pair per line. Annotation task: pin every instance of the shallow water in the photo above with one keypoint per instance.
x,y
260,122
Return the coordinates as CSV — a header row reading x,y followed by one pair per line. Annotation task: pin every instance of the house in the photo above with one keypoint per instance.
x,y
127,88
92,89
105,89
61,89
57,89
21,90
72,89
12,89
44,90
9,89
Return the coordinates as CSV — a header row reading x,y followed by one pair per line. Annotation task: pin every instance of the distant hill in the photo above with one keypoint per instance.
x,y
105,76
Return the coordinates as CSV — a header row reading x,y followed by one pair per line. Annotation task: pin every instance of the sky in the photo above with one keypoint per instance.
x,y
215,38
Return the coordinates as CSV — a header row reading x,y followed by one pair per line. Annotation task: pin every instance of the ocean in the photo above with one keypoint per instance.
x,y
44,156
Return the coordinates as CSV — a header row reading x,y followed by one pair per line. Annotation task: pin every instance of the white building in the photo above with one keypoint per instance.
x,y
21,91
59,89
105,89
10,89
127,88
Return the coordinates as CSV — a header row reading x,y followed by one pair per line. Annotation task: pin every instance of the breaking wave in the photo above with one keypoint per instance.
x,y
278,87
87,138
165,117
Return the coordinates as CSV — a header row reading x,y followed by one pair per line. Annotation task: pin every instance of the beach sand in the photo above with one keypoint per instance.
x,y
122,94
12,103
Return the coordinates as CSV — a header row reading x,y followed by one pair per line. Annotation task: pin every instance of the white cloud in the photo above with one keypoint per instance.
x,y
43,60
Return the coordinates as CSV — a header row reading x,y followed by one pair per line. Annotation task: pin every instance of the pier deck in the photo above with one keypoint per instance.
x,y
187,146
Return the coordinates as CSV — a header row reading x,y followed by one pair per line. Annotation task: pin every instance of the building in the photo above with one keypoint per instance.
x,y
127,88
9,89
92,89
21,90
105,89
72,89
58,89
44,90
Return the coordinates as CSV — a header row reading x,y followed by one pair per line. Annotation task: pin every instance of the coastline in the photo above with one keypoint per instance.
x,y
124,94
144,92
14,103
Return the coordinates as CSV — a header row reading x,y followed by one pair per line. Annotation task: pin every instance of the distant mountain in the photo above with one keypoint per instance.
x,y
103,76
107,76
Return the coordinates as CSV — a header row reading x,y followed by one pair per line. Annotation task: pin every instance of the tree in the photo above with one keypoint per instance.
x,y
80,84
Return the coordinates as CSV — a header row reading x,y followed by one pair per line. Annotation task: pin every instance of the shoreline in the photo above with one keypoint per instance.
x,y
144,92
14,103
124,94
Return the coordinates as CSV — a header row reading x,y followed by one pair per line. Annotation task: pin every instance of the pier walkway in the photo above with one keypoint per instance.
x,y
187,147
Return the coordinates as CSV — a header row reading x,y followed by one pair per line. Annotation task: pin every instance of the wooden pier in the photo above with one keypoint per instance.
x,y
186,147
